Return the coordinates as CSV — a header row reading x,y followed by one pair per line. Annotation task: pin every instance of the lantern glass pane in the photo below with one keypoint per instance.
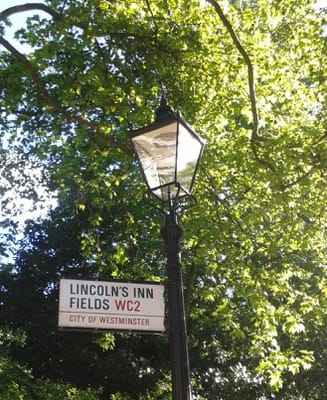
x,y
189,151
156,151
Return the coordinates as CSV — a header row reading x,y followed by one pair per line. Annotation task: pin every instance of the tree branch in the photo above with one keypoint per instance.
x,y
47,97
152,15
28,7
300,178
255,128
34,75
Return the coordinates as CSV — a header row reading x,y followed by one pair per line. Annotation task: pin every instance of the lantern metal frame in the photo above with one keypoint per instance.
x,y
165,117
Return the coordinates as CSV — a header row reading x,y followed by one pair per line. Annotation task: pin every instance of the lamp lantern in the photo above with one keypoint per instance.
x,y
169,151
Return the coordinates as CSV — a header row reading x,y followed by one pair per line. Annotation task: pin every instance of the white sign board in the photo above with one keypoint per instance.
x,y
111,305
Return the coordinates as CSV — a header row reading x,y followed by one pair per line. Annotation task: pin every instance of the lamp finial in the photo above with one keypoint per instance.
x,y
164,111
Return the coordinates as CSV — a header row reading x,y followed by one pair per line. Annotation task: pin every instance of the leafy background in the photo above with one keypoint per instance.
x,y
254,247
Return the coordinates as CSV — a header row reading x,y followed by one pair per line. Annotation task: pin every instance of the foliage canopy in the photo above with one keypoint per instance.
x,y
250,76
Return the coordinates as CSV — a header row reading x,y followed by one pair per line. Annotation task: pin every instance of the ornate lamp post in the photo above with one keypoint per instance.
x,y
169,152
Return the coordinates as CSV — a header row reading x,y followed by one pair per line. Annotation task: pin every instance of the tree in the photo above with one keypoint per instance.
x,y
249,75
18,382
24,193
29,302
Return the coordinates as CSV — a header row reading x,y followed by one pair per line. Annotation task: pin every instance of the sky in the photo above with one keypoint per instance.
x,y
18,20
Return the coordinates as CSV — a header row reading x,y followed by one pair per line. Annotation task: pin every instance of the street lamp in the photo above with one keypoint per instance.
x,y
169,151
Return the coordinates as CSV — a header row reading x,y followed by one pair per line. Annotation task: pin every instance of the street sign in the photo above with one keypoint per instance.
x,y
111,305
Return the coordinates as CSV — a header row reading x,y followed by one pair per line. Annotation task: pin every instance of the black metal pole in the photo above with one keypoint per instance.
x,y
172,233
